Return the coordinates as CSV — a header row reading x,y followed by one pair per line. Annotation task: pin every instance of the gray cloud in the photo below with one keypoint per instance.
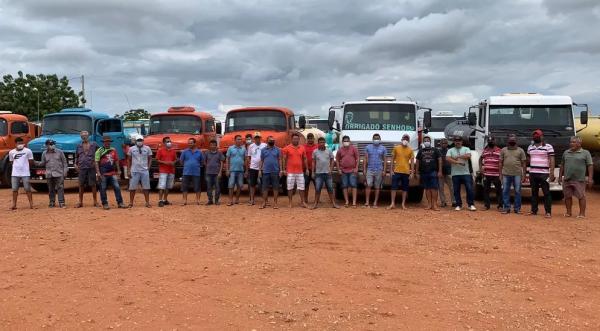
x,y
306,54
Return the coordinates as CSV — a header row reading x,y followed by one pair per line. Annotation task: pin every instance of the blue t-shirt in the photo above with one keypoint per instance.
x,y
191,162
376,153
270,158
237,157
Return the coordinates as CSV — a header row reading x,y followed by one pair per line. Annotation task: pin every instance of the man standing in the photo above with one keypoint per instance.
x,y
347,158
403,162
213,161
323,167
270,171
541,169
294,161
107,168
86,170
191,158
166,157
56,169
429,168
446,179
236,156
253,164
575,162
374,164
489,163
21,158
513,165
459,157
139,159
309,148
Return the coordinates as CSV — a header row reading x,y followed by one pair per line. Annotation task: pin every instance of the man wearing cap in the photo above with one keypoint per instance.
x,y
403,164
56,169
428,167
86,170
139,159
21,159
459,157
576,161
541,169
107,168
513,165
489,163
236,159
253,165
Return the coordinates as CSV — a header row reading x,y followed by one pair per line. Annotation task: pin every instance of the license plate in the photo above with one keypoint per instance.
x,y
40,172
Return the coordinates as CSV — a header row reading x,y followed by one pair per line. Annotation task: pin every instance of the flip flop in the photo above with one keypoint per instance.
x,y
567,215
79,205
580,216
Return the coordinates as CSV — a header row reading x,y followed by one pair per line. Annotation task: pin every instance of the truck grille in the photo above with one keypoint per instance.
x,y
37,156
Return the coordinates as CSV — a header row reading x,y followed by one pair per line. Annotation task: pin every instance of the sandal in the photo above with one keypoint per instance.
x,y
567,215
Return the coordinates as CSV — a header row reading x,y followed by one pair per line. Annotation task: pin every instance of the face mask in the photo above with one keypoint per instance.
x,y
139,143
491,144
168,144
20,146
404,142
271,143
346,143
512,143
376,141
537,140
51,147
248,141
427,144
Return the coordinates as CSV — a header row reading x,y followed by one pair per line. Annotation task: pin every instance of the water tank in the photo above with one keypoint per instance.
x,y
461,129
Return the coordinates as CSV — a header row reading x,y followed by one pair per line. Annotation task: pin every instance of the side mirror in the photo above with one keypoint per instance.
x,y
218,128
331,118
583,117
302,122
472,119
427,119
337,126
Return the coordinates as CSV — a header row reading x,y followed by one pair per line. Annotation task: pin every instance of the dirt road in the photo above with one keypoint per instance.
x,y
241,268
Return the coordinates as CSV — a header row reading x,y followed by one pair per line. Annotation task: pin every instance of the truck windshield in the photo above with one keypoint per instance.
x,y
438,124
393,117
175,124
67,124
3,127
255,120
558,117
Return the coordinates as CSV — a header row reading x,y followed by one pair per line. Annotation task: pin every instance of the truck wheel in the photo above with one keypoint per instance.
x,y
557,195
415,194
40,187
5,180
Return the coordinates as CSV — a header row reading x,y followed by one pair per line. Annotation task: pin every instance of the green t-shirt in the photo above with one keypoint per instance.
x,y
512,161
463,168
575,164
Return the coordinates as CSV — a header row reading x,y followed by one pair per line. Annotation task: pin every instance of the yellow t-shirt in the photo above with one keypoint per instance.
x,y
402,156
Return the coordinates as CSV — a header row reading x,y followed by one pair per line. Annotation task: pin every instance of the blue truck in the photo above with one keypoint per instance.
x,y
65,127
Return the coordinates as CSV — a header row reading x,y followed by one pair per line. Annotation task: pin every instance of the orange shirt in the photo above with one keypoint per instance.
x,y
294,158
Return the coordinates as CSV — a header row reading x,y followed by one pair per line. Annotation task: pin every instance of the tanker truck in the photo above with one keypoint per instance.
x,y
520,114
590,140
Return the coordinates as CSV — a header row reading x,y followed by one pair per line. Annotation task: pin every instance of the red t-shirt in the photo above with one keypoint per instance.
x,y
168,155
294,157
309,149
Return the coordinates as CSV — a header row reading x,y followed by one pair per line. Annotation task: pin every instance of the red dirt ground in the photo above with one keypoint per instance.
x,y
241,268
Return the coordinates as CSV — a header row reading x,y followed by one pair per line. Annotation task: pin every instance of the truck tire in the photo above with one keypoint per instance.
x,y
415,194
557,195
5,180
40,187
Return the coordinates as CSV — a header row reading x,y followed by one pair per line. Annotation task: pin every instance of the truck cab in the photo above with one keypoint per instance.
x,y
521,114
65,127
439,121
180,124
384,115
11,127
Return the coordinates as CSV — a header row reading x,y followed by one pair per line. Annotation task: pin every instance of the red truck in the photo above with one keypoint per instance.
x,y
180,124
11,127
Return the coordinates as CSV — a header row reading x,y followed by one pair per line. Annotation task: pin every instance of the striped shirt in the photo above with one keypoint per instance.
x,y
491,161
539,158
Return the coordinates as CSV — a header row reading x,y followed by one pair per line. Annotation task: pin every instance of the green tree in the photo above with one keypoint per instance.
x,y
134,115
21,94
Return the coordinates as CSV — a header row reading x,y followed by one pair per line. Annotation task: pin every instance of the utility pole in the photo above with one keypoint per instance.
x,y
83,89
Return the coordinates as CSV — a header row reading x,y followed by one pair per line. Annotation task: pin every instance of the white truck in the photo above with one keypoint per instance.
x,y
359,120
521,114
439,121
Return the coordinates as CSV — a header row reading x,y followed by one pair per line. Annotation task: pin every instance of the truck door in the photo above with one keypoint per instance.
x,y
114,128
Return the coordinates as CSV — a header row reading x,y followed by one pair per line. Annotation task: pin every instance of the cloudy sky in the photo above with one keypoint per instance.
x,y
306,55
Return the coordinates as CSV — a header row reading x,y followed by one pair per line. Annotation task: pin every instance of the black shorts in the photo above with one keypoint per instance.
x,y
186,181
252,177
87,177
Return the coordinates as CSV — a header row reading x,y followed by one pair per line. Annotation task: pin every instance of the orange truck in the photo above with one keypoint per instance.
x,y
180,124
11,127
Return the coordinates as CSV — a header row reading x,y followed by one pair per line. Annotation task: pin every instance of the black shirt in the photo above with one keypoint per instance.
x,y
428,160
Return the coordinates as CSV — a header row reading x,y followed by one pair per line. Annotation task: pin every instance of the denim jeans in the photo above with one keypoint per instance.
x,y
515,181
323,180
213,184
467,180
56,185
110,180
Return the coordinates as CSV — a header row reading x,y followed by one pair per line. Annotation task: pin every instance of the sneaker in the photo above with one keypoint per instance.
x,y
209,203
217,202
472,208
457,208
161,203
454,205
486,208
505,211
62,205
518,212
51,205
105,207
122,205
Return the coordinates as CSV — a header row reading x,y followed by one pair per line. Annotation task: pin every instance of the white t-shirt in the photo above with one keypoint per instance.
x,y
20,160
254,154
